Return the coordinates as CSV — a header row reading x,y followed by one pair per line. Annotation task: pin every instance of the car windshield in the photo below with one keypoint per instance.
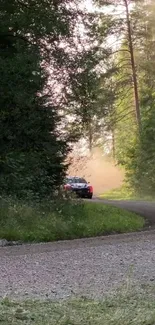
x,y
71,180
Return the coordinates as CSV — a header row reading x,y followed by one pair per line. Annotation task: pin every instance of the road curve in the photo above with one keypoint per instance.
x,y
88,267
143,208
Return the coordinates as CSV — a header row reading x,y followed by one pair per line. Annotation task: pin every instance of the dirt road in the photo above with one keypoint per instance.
x,y
90,267
87,267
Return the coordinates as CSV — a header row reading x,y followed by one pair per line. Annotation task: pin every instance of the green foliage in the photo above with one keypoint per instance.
x,y
86,82
89,91
121,193
133,150
128,192
32,150
61,219
141,168
31,155
34,132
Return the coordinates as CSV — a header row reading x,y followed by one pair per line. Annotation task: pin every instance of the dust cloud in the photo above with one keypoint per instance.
x,y
98,170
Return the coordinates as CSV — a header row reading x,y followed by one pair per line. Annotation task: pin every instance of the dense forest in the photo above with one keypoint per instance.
x,y
69,73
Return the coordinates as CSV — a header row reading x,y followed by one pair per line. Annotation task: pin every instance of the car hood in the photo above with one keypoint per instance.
x,y
79,185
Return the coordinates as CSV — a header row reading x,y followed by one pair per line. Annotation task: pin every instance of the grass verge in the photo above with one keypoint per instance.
x,y
129,307
63,220
125,193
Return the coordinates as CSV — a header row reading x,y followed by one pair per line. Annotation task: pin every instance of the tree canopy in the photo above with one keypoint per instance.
x,y
67,74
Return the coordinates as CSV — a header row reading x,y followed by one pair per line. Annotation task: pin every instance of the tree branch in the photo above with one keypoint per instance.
x,y
7,35
114,122
121,50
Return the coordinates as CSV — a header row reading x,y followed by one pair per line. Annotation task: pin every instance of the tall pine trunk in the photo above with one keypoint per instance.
x,y
133,65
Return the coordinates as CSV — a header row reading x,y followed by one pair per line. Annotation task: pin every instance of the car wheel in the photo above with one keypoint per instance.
x,y
90,196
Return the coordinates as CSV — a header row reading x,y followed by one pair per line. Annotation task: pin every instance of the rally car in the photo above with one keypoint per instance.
x,y
79,186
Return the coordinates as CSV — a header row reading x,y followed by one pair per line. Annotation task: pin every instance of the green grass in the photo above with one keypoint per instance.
x,y
63,220
125,193
130,307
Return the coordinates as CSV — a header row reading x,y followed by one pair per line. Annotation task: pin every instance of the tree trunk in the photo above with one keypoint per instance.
x,y
133,66
90,139
113,144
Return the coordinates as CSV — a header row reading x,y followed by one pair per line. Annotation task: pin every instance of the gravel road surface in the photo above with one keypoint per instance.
x,y
89,267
